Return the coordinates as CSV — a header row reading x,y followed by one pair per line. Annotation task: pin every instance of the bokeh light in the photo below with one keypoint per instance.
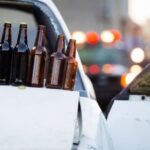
x,y
92,38
137,55
136,69
107,36
94,69
79,36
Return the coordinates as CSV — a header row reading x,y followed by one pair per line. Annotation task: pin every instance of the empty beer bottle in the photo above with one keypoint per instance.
x,y
20,58
56,65
71,66
5,55
37,59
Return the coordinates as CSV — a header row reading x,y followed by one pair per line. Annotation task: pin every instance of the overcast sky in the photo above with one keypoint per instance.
x,y
139,10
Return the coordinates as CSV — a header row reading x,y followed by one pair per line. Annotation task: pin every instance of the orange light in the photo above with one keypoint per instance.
x,y
126,79
116,34
92,38
123,81
94,69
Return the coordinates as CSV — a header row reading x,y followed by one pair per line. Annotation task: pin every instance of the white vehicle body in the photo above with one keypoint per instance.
x,y
129,124
129,117
46,119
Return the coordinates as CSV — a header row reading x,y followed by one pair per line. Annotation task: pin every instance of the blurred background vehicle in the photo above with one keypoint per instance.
x,y
104,64
108,63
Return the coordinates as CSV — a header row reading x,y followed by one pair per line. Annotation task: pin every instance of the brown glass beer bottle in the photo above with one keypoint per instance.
x,y
20,58
37,59
71,66
56,65
5,55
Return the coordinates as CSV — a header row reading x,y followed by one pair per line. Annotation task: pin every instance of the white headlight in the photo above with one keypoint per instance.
x,y
130,77
137,55
79,36
107,36
135,69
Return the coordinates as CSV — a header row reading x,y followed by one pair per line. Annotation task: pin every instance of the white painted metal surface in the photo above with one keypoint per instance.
x,y
129,124
37,118
94,134
139,98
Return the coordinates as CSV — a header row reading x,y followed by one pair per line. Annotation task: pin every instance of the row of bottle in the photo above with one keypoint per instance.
x,y
20,66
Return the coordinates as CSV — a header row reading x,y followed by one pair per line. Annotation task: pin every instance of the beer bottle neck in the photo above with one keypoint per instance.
x,y
22,37
6,36
40,39
71,49
60,45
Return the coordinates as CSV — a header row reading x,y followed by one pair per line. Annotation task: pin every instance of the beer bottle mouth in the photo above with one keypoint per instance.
x,y
71,48
73,41
60,44
23,25
41,27
61,36
7,24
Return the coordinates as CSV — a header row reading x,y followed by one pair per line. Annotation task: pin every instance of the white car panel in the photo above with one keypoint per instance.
x,y
129,124
37,118
94,133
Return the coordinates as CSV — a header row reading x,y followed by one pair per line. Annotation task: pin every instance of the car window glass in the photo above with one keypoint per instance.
x,y
141,84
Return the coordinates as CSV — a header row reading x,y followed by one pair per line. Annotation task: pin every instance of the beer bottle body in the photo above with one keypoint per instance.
x,y
71,66
70,73
56,70
56,65
36,69
20,58
37,59
5,55
19,67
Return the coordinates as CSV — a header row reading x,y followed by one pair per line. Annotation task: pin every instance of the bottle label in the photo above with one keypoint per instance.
x,y
70,75
55,72
36,69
